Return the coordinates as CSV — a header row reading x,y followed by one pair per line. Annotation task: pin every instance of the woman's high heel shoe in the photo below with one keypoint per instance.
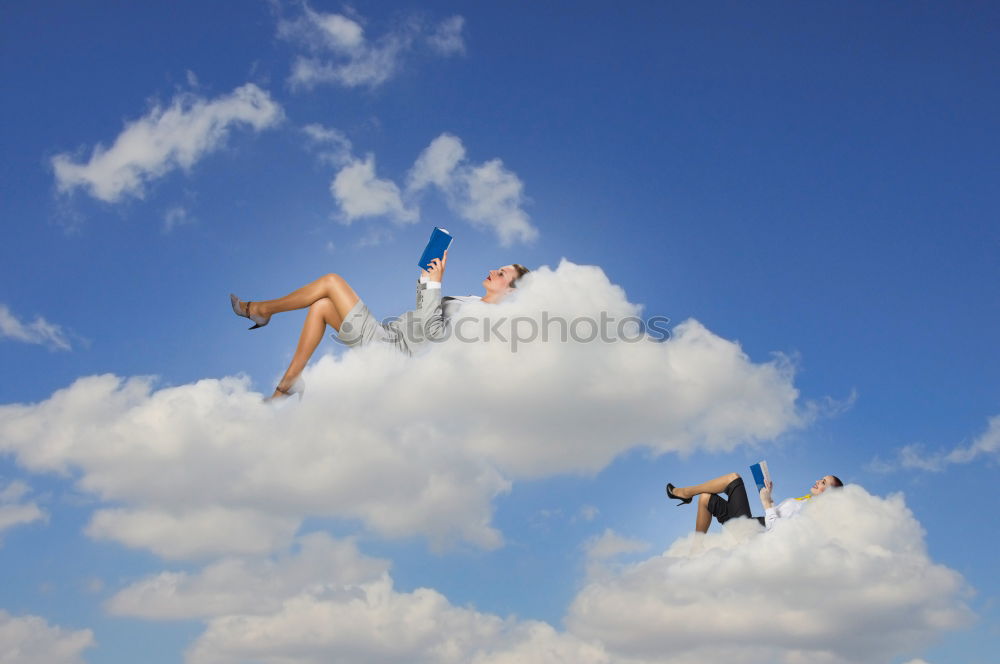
x,y
243,309
670,494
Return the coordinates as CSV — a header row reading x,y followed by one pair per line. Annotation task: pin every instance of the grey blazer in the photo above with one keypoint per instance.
x,y
429,320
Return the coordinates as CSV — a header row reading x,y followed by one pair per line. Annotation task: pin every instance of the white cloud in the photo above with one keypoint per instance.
x,y
39,331
914,457
603,549
341,54
487,195
32,640
366,444
163,140
174,217
610,544
194,533
329,603
331,145
848,581
13,510
447,38
236,585
359,193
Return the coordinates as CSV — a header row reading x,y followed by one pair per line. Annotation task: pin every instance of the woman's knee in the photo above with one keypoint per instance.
x,y
332,280
732,477
322,307
703,499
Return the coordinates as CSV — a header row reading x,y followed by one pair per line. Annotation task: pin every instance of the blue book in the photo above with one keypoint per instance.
x,y
436,246
760,474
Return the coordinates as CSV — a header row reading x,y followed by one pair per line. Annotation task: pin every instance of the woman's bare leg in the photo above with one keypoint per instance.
x,y
703,519
717,485
330,286
704,491
321,313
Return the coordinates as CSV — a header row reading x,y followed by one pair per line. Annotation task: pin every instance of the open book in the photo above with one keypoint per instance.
x,y
436,246
761,476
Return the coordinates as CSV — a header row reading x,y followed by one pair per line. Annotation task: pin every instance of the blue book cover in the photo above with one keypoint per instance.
x,y
760,474
436,246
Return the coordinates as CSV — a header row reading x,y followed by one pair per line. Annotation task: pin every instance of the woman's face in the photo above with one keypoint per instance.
x,y
499,280
821,485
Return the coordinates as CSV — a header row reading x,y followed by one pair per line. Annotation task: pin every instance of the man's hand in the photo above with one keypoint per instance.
x,y
765,496
436,270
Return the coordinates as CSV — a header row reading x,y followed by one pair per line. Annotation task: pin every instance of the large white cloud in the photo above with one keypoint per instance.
x,y
487,195
407,446
341,54
163,140
39,331
847,581
32,640
326,602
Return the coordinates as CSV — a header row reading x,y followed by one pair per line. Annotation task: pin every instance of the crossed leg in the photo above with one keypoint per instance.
x,y
704,492
329,299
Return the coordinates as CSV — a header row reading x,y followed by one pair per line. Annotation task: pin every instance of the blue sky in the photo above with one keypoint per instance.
x,y
812,188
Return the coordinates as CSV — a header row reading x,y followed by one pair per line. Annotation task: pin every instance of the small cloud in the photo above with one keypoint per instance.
x,y
14,511
447,39
373,238
340,53
588,513
610,544
359,193
330,145
916,457
487,195
174,217
39,331
93,585
163,140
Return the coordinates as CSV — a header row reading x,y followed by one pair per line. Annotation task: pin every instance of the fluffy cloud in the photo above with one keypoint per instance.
x,y
406,446
487,195
915,457
237,585
610,544
847,581
329,603
331,145
447,38
39,331
13,510
341,54
31,640
359,193
163,140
